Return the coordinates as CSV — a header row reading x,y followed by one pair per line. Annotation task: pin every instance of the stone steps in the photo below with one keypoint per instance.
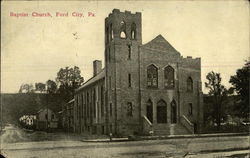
x,y
178,129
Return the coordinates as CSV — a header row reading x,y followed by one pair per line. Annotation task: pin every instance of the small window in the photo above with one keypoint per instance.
x,y
123,34
129,109
102,101
52,116
190,109
87,105
133,31
94,102
129,80
111,32
107,34
82,105
110,109
129,51
189,84
133,34
46,116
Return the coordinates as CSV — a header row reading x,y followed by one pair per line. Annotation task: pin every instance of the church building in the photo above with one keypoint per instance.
x,y
142,89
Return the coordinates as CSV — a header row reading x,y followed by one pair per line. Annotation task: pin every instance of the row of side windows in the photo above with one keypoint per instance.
x,y
169,81
85,103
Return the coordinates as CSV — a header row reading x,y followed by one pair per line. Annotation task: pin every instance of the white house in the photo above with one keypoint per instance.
x,y
46,119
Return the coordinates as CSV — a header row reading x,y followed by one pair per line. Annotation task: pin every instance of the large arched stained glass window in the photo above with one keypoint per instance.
x,y
169,77
152,76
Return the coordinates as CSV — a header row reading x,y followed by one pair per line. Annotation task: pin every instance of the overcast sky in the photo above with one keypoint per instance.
x,y
35,48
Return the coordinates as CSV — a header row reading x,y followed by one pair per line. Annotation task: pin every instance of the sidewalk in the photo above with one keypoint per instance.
x,y
140,138
204,145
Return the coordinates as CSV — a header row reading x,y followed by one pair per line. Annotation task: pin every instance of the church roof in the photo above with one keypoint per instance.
x,y
160,43
93,79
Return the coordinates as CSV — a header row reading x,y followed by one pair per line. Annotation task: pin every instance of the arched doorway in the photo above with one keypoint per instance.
x,y
173,112
161,112
150,110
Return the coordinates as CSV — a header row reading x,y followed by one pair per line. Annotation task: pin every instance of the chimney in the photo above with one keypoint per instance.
x,y
97,67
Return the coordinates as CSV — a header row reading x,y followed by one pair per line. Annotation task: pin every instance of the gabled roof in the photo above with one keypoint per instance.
x,y
42,109
71,101
160,43
92,80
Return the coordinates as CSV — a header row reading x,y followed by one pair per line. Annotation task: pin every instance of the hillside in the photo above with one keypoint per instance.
x,y
16,105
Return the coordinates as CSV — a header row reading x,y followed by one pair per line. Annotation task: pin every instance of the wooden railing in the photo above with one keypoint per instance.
x,y
187,123
147,125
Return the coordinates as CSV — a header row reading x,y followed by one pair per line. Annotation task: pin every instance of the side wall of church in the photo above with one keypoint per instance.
x,y
89,109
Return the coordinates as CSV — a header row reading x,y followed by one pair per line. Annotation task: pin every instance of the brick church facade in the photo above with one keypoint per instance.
x,y
143,88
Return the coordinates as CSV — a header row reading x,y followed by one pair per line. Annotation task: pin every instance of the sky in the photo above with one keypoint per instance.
x,y
33,49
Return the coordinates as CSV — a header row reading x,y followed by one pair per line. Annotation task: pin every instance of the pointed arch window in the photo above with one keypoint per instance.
x,y
150,110
111,32
129,80
161,112
107,35
133,31
173,112
190,109
129,109
169,77
123,34
152,76
189,84
129,51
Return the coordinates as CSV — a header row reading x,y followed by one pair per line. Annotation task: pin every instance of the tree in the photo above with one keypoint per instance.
x,y
40,87
69,79
240,83
26,88
219,94
51,86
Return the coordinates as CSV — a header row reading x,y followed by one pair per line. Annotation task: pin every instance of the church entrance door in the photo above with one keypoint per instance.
x,y
161,112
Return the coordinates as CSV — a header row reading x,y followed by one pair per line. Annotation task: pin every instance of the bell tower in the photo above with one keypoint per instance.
x,y
122,40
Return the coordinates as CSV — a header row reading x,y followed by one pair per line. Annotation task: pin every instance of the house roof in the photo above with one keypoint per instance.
x,y
160,43
93,79
71,101
43,110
